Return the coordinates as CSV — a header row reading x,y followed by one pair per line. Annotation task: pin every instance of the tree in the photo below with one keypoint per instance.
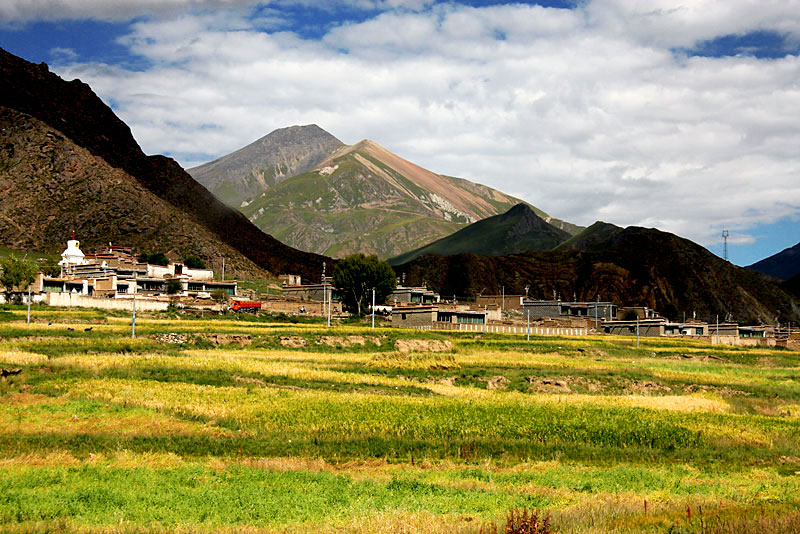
x,y
174,286
357,275
193,262
50,267
17,273
220,296
157,258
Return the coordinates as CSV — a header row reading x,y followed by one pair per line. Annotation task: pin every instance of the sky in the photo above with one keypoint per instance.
x,y
683,115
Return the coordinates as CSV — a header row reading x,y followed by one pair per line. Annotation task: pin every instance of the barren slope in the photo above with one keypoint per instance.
x,y
52,187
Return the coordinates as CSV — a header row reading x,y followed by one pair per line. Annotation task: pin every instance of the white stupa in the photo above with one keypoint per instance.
x,y
72,255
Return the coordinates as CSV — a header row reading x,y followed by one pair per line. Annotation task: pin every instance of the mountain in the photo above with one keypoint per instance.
x,y
517,230
364,198
52,187
596,237
73,111
630,266
284,153
783,265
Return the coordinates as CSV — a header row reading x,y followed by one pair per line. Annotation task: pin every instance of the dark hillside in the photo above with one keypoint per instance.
x,y
517,230
73,109
783,265
635,266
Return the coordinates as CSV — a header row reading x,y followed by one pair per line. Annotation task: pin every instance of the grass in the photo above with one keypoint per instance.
x,y
338,431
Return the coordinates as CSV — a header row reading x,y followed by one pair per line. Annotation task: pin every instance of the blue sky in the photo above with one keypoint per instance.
x,y
668,114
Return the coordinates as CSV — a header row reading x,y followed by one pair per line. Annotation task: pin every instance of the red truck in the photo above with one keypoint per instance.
x,y
245,306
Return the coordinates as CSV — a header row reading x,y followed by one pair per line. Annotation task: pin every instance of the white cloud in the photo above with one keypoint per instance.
x,y
586,113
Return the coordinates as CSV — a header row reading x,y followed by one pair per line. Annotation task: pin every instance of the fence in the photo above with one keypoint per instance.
x,y
505,329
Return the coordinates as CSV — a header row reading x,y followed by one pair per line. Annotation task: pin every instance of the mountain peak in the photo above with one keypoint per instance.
x,y
266,162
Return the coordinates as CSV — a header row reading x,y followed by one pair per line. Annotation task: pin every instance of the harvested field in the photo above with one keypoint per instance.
x,y
244,425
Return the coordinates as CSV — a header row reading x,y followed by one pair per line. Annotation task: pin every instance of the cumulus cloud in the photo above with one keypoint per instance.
x,y
589,113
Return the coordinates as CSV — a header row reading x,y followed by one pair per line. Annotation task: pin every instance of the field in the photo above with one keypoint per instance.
x,y
247,425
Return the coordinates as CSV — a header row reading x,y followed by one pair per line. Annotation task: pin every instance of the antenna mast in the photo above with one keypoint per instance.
x,y
725,235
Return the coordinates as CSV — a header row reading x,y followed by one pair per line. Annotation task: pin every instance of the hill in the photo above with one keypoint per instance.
x,y
364,198
598,236
631,266
783,265
517,230
284,153
52,187
74,111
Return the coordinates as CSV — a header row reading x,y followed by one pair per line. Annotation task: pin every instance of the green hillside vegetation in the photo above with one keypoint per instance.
x,y
344,433
520,229
358,201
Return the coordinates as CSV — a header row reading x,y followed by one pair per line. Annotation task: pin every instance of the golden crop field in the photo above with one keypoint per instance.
x,y
248,425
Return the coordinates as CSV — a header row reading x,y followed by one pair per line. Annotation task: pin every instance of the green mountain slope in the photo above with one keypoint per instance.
x,y
365,199
517,230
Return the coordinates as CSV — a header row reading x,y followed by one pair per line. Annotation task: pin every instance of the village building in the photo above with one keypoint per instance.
x,y
505,302
413,295
290,280
114,271
535,309
311,292
428,315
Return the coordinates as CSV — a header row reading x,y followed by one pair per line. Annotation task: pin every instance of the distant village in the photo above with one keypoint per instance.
x,y
113,278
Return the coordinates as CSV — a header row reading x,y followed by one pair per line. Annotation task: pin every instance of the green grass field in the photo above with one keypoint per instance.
x,y
303,429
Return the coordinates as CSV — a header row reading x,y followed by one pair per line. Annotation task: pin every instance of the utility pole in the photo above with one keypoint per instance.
x,y
133,316
718,328
324,292
529,324
637,331
223,268
503,303
29,305
373,308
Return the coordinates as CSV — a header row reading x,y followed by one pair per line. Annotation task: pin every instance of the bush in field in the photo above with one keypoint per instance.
x,y
357,275
16,272
521,522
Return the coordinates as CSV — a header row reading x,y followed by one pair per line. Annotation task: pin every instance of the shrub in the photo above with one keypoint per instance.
x,y
521,522
193,262
157,258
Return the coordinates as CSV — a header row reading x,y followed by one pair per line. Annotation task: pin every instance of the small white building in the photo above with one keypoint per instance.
x,y
72,255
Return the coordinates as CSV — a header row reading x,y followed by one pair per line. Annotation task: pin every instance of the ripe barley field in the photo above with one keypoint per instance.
x,y
258,426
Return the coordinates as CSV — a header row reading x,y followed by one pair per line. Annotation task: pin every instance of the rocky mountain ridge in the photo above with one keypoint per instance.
x,y
281,154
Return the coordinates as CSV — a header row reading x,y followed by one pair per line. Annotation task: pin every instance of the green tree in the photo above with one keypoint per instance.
x,y
174,286
19,273
50,267
356,276
193,262
157,258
